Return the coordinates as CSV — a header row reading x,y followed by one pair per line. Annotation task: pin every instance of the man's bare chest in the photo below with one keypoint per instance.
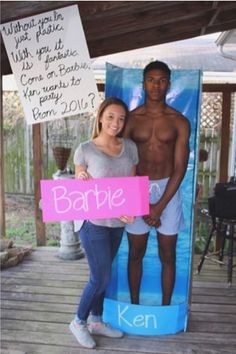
x,y
154,131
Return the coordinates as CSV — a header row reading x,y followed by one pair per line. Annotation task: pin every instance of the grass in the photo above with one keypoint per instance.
x,y
20,223
25,234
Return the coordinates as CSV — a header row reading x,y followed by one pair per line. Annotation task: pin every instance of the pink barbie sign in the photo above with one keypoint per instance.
x,y
75,199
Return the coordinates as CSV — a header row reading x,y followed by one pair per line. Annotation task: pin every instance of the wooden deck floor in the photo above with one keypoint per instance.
x,y
39,297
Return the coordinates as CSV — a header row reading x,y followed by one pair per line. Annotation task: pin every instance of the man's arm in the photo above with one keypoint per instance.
x,y
181,156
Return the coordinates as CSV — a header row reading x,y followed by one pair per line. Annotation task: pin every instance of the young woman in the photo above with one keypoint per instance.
x,y
106,155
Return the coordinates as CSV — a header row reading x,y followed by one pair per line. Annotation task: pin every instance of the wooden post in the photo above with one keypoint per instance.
x,y
38,165
224,150
2,187
225,136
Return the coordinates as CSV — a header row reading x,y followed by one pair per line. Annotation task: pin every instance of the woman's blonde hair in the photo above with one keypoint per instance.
x,y
107,102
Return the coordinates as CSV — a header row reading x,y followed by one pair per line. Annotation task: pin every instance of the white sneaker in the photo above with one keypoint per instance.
x,y
104,329
82,334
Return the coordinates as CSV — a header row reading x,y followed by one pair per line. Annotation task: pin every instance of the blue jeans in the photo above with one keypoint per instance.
x,y
100,244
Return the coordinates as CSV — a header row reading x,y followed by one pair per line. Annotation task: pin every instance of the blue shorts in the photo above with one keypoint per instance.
x,y
172,219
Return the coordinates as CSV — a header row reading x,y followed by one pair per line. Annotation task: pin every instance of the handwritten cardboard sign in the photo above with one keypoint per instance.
x,y
50,60
72,199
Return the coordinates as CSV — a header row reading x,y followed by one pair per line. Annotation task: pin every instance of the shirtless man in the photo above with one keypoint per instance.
x,y
162,137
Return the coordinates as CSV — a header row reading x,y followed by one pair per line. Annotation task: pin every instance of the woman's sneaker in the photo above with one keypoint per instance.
x,y
104,329
82,334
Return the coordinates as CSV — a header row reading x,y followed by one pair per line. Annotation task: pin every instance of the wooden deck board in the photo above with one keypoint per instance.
x,y
40,295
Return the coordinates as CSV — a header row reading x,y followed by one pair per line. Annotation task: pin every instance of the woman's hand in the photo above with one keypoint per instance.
x,y
127,219
84,175
81,172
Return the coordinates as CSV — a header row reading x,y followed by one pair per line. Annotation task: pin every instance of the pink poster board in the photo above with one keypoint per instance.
x,y
75,199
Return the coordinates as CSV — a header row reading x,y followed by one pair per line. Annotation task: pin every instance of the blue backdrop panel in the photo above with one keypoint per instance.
x,y
150,318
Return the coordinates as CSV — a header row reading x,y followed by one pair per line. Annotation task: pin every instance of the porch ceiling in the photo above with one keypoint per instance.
x,y
116,26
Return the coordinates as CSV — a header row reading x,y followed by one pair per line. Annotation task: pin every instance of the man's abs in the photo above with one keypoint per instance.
x,y
157,164
154,169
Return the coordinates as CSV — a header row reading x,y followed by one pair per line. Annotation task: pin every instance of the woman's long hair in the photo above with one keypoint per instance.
x,y
107,102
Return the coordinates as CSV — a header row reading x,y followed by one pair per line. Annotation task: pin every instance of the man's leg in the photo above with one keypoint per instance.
x,y
137,249
167,253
